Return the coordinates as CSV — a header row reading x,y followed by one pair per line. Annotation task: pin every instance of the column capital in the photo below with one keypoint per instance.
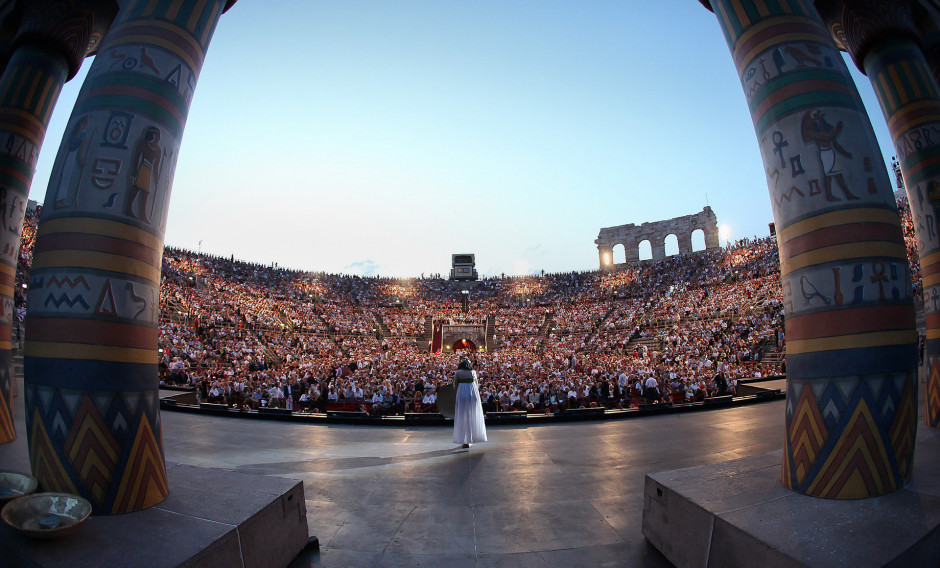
x,y
72,28
857,25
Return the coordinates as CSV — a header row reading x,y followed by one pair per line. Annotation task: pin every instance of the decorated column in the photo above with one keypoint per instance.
x,y
882,40
8,28
927,18
851,344
48,48
92,402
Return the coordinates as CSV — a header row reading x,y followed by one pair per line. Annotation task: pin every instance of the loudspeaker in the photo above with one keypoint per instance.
x,y
346,414
277,411
585,411
718,400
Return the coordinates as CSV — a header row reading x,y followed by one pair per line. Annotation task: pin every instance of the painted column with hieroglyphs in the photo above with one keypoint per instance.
x,y
883,41
91,383
52,40
851,343
926,16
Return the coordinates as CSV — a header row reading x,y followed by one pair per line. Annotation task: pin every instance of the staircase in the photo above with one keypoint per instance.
x,y
425,338
174,312
599,325
271,356
770,353
287,324
383,329
489,334
547,324
651,343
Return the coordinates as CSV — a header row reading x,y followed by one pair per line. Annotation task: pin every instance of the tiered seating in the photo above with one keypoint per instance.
x,y
256,335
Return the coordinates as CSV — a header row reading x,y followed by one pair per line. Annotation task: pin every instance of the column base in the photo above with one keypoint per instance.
x,y
737,513
211,518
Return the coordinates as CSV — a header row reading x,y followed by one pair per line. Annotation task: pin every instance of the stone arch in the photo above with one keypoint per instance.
x,y
619,254
698,240
671,244
644,250
657,231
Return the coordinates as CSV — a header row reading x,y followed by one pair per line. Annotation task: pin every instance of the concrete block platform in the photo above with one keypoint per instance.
x,y
737,513
211,518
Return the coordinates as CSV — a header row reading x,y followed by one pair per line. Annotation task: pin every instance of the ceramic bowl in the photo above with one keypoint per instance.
x,y
14,484
46,515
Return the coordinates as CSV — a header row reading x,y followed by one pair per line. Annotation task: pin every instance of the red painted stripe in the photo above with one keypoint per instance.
x,y
17,174
98,243
933,321
17,120
6,332
7,279
849,321
921,165
93,332
929,269
797,89
841,234
900,120
138,93
770,32
179,40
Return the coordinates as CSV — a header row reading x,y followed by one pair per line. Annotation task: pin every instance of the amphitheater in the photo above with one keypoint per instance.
x,y
382,484
375,471
773,402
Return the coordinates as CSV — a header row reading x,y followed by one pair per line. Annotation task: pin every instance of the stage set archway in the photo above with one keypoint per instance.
x,y
91,387
464,344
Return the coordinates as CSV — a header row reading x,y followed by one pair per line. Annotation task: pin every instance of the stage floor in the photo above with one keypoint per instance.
x,y
567,494
550,495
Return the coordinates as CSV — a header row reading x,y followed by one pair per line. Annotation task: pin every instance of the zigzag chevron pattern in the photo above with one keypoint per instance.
x,y
904,429
102,445
850,438
857,467
144,482
807,434
44,460
7,428
92,451
7,431
785,473
933,393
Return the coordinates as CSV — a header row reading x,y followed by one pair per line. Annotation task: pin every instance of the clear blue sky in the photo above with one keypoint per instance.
x,y
377,137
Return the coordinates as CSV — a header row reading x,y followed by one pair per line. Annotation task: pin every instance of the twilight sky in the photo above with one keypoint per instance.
x,y
376,137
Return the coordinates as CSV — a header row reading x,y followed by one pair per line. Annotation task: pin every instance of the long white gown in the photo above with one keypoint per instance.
x,y
469,426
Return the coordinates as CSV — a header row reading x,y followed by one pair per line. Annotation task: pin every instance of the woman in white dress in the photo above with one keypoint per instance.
x,y
469,426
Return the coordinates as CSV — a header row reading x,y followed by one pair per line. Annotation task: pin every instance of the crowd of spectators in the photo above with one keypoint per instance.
x,y
677,330
913,248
